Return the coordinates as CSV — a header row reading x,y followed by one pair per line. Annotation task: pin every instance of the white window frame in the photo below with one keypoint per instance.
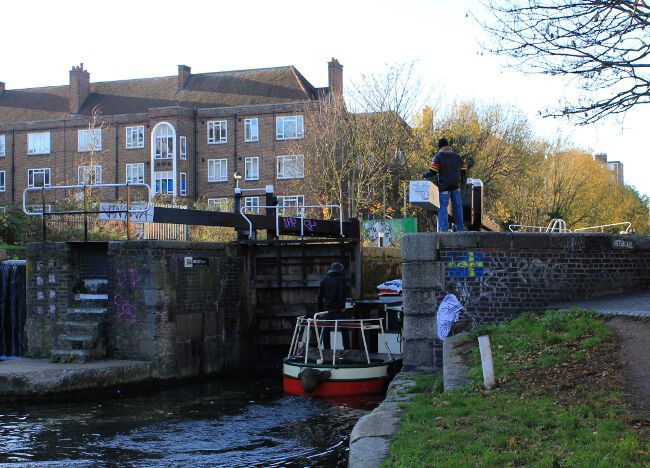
x,y
182,147
219,204
89,140
252,168
251,205
160,176
163,139
251,130
218,170
138,168
3,146
282,124
222,127
47,176
285,172
291,200
36,143
182,186
84,174
135,137
3,181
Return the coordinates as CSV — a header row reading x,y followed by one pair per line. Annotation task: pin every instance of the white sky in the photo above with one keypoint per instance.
x,y
137,39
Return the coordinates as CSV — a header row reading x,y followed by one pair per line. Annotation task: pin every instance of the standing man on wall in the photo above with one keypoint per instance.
x,y
451,170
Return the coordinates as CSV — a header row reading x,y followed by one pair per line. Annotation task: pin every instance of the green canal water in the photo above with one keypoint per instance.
x,y
231,421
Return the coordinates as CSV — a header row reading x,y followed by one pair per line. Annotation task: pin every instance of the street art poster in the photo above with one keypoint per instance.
x,y
387,232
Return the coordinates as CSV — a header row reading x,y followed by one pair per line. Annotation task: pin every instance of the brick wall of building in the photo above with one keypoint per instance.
x,y
498,275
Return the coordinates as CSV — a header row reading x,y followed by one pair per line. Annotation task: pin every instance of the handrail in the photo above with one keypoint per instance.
x,y
627,229
84,187
277,216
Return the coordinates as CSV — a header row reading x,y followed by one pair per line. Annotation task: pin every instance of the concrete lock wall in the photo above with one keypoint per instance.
x,y
181,305
499,275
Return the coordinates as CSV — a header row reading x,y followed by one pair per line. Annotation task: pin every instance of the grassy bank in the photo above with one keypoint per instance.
x,y
557,402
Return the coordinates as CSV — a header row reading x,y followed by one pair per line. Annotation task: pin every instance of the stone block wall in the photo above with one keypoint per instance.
x,y
498,275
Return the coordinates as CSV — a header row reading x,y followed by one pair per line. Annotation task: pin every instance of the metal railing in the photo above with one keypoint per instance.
x,y
300,208
559,225
603,226
142,206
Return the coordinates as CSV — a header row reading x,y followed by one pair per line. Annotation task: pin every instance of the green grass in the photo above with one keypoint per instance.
x,y
547,409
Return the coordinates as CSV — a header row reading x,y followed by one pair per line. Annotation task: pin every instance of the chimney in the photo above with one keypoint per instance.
x,y
335,78
2,87
184,73
79,88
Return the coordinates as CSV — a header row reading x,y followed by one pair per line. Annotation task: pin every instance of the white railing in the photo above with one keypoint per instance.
x,y
627,224
559,225
301,209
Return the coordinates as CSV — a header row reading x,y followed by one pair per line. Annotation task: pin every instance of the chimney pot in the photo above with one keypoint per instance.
x,y
184,73
335,78
2,87
79,88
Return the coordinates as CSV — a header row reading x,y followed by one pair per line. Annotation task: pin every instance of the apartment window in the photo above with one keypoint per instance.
x,y
38,177
252,168
217,132
164,142
38,143
252,205
89,140
251,130
217,170
135,137
290,127
183,184
164,182
291,167
2,181
219,204
135,173
3,151
292,201
183,147
89,175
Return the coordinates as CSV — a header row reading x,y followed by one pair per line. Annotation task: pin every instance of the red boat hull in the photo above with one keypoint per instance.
x,y
337,388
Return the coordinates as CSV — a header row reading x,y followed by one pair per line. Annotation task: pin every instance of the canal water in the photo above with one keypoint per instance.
x,y
231,421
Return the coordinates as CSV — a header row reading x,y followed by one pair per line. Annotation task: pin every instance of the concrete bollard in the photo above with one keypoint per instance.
x,y
486,361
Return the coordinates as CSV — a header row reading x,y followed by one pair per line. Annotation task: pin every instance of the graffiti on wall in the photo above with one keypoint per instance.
x,y
127,282
390,230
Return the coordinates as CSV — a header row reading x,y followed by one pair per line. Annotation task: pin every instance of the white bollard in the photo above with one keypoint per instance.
x,y
486,361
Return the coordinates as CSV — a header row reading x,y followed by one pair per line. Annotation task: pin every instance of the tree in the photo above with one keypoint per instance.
x,y
602,43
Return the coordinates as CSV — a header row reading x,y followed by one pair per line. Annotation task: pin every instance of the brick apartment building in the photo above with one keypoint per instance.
x,y
185,135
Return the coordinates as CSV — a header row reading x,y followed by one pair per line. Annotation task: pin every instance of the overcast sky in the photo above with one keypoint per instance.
x,y
135,39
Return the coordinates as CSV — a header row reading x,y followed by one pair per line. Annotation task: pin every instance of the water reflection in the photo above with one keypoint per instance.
x,y
233,421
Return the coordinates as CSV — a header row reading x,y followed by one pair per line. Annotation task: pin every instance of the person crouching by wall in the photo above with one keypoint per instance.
x,y
332,294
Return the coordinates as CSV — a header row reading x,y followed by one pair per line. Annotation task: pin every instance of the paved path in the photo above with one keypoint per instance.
x,y
634,304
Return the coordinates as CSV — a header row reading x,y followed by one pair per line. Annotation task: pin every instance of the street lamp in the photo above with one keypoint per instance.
x,y
237,177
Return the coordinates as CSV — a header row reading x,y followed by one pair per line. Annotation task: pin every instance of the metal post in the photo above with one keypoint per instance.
x,y
238,195
43,212
270,212
128,208
85,216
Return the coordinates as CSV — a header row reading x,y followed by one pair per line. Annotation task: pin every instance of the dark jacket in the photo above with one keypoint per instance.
x,y
450,168
333,292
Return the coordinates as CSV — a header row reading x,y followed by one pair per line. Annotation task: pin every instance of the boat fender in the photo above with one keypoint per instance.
x,y
311,378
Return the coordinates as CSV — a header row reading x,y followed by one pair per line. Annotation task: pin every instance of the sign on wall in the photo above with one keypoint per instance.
x,y
387,232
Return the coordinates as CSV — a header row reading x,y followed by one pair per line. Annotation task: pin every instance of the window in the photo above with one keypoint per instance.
x,y
164,182
135,173
252,168
38,143
2,181
291,167
89,140
164,142
219,204
38,177
183,147
183,184
217,170
217,132
135,137
251,130
292,200
3,151
289,128
251,205
89,175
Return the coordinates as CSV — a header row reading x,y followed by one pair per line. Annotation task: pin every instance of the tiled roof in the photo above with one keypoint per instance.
x,y
204,90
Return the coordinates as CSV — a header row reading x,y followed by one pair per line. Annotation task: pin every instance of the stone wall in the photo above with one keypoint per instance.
x,y
498,275
379,264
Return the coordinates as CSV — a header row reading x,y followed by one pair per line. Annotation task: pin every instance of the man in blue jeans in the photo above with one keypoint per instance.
x,y
450,170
